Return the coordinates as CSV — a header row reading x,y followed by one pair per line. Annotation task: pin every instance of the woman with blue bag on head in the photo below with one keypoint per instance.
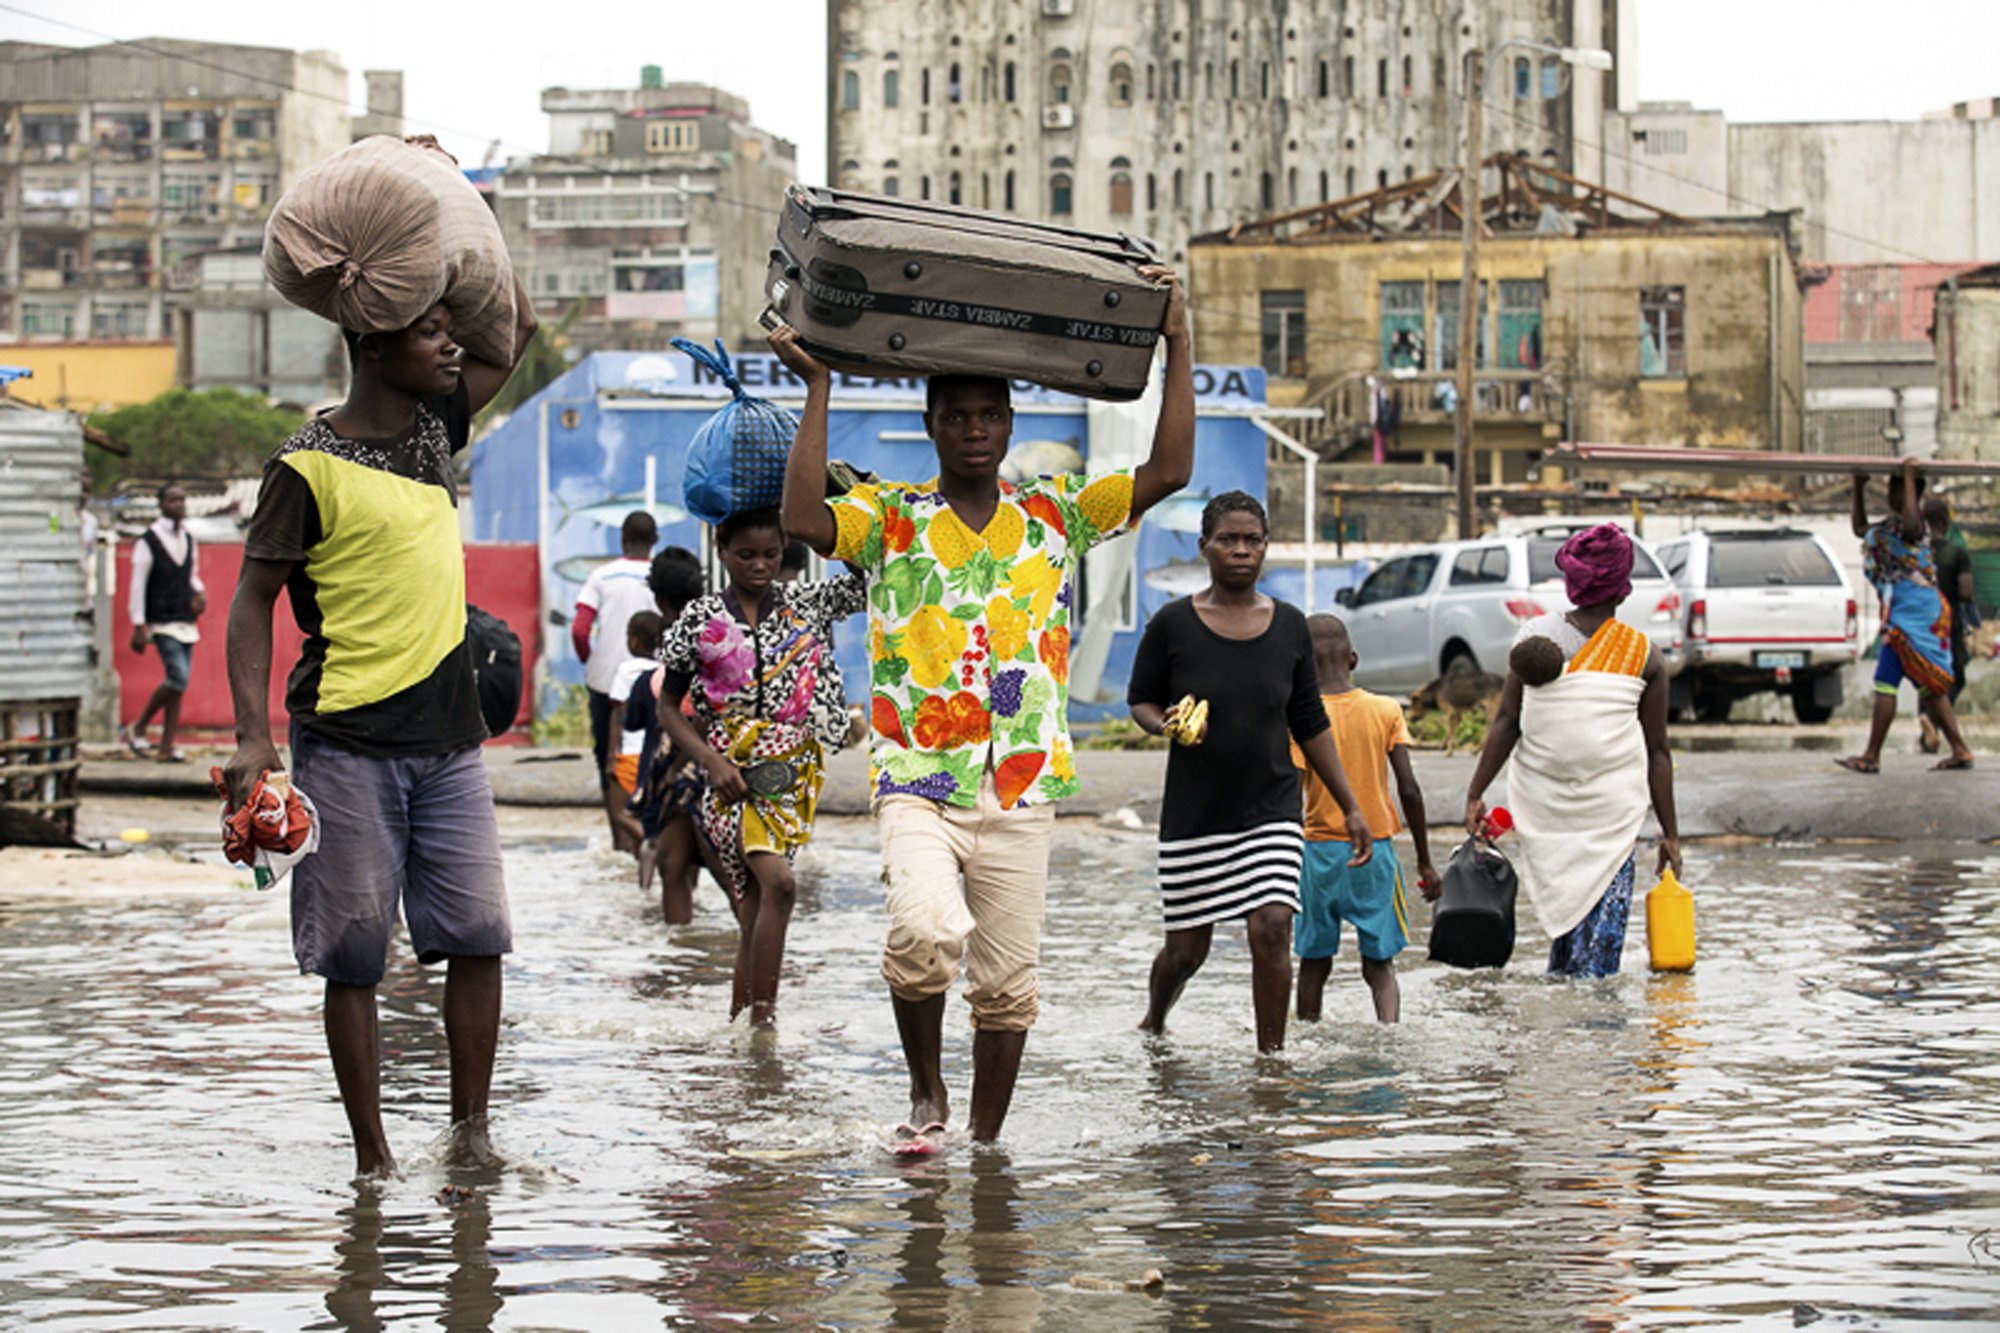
x,y
768,699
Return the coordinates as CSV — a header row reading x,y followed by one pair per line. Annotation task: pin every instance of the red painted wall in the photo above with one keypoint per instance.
x,y
502,577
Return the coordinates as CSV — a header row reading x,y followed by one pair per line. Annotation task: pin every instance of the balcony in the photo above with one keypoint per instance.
x,y
52,150
252,150
50,279
1429,398
1058,117
120,279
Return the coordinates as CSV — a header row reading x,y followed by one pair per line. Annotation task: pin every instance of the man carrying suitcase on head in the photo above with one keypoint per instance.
x,y
969,602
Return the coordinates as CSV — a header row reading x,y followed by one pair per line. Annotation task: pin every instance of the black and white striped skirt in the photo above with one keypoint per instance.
x,y
1221,876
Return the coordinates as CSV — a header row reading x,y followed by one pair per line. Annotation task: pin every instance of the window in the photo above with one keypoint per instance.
x,y
594,143
1348,188
1208,189
1266,190
1674,559
1662,332
1323,196
924,187
924,88
1007,192
183,195
1152,82
1121,194
1180,190
1520,324
119,319
1484,565
1264,79
850,93
1060,191
954,189
1235,79
255,122
1121,84
1782,560
1551,76
1208,79
1325,78
1347,76
1007,82
1152,193
1284,334
951,85
1402,325
1396,579
684,136
1415,578
892,88
891,186
1664,143
1409,76
1291,187
1542,560
1059,84
1444,329
1177,81
602,208
1382,77
1524,76
40,317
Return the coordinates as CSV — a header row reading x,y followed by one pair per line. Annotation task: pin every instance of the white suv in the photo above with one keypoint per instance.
x,y
1457,606
1767,610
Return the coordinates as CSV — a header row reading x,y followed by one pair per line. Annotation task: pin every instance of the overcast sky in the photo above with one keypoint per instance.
x,y
472,79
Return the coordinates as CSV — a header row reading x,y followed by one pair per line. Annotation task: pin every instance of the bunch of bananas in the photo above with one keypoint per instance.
x,y
1186,719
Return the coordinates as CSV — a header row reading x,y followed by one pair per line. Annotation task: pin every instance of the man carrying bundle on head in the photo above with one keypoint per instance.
x,y
969,603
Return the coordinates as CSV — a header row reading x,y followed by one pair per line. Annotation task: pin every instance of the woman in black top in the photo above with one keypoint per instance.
x,y
1231,838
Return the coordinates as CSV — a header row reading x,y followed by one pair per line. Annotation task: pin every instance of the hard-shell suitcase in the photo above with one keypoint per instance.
x,y
883,286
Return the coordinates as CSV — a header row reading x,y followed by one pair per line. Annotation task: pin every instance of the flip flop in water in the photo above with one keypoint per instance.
x,y
1856,764
1946,765
909,1141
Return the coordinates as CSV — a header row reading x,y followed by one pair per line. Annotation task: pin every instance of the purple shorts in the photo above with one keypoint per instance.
x,y
418,830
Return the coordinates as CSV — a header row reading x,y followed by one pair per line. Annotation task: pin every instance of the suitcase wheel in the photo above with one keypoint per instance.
x,y
895,342
913,270
1094,369
1111,298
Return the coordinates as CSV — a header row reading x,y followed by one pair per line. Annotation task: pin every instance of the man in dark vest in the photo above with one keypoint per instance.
x,y
167,597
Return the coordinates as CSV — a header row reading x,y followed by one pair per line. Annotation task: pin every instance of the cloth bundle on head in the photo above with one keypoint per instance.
x,y
1596,565
272,831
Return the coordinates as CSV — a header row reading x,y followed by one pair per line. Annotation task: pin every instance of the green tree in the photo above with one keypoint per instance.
x,y
545,361
185,433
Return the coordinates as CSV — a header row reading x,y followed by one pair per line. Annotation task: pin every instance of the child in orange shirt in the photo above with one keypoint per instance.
x,y
1372,739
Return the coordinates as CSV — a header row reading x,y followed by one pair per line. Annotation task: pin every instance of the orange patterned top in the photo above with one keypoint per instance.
x,y
1616,649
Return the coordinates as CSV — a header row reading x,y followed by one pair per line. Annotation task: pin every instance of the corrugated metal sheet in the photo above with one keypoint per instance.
x,y
45,640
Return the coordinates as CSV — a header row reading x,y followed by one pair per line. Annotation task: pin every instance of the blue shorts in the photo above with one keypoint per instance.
x,y
417,831
1370,898
178,659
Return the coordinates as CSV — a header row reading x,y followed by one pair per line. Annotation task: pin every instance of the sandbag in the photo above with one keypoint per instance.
x,y
736,461
1473,922
383,230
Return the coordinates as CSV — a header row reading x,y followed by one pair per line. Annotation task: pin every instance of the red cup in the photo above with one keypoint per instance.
x,y
1496,823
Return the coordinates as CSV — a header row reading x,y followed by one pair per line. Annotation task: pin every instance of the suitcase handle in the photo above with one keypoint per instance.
x,y
773,321
824,203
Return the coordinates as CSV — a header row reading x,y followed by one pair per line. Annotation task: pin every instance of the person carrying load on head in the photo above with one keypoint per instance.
x,y
969,624
1916,619
1589,751
769,705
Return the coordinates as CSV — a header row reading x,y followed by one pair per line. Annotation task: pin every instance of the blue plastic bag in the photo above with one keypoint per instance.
x,y
736,461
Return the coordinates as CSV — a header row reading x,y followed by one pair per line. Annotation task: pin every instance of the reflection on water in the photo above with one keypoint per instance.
x,y
1808,1125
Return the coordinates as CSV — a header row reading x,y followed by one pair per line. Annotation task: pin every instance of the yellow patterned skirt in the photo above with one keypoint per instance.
x,y
780,821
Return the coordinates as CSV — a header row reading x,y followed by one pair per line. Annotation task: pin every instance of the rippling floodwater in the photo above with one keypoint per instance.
x,y
1807,1126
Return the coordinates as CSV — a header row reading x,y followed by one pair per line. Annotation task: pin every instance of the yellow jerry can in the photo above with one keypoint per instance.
x,y
1670,925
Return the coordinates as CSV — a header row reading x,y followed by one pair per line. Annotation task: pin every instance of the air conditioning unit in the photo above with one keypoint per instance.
x,y
1058,9
1058,117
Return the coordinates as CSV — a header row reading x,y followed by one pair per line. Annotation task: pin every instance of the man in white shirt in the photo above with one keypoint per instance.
x,y
167,596
615,591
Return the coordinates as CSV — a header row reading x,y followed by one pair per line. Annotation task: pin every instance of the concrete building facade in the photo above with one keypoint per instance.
x,y
121,163
1629,329
1967,340
1179,117
651,215
1866,192
1886,211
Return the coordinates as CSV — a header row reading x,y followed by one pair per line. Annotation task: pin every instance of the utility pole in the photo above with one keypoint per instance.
x,y
1470,206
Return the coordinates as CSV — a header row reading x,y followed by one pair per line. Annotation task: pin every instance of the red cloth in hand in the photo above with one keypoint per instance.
x,y
275,823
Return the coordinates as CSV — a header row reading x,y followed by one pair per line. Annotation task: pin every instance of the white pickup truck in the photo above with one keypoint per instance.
x,y
1767,610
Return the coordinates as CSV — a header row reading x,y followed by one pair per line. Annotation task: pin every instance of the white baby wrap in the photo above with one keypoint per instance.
x,y
1578,791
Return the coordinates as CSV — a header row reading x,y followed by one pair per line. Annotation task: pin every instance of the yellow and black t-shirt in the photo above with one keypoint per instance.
x,y
377,583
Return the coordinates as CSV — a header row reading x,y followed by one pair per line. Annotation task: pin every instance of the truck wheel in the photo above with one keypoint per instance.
x,y
1804,709
1710,703
1460,659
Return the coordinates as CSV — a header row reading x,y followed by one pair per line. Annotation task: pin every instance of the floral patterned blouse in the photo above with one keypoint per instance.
x,y
781,669
1888,558
968,632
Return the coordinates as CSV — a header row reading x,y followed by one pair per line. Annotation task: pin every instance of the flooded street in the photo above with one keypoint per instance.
x,y
1808,1125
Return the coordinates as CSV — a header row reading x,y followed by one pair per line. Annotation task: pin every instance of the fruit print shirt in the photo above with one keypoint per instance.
x,y
968,632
